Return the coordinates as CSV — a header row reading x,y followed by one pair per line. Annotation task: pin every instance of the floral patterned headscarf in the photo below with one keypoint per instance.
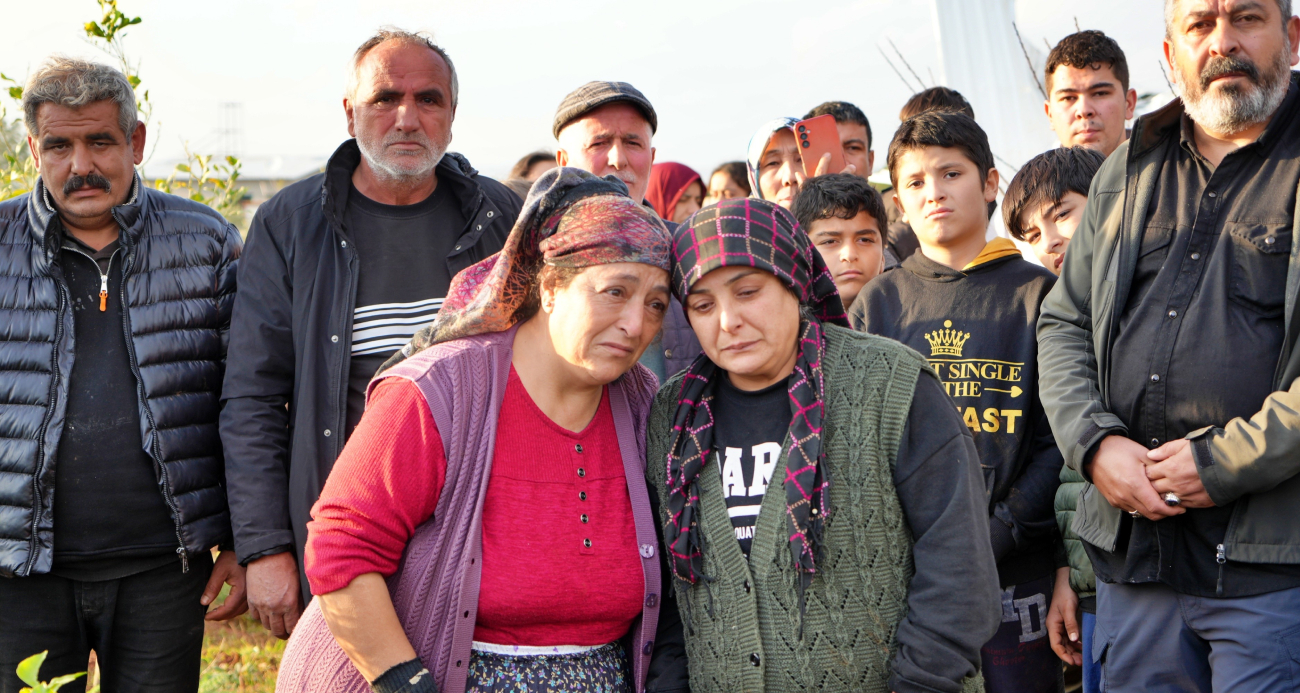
x,y
750,232
571,219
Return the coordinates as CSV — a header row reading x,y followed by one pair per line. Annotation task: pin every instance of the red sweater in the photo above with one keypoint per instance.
x,y
560,561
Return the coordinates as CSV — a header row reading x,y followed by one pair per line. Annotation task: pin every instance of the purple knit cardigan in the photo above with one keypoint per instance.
x,y
435,589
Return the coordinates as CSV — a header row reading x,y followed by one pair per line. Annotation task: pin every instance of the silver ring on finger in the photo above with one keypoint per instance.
x,y
1171,499
1134,514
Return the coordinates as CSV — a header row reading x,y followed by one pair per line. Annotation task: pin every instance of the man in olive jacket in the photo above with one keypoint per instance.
x,y
1169,367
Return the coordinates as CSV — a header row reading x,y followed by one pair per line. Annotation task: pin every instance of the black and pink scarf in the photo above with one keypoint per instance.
x,y
752,233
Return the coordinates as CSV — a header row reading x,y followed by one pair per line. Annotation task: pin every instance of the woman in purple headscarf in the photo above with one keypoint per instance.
x,y
488,526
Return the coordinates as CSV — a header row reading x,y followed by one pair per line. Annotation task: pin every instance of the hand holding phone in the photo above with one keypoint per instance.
x,y
818,137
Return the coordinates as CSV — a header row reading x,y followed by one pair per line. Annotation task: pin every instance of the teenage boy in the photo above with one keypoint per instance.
x,y
1045,201
1042,207
845,219
971,307
1088,96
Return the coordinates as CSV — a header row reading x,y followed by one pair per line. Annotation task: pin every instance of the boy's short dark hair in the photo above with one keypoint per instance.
x,y
936,99
941,129
1045,179
1085,49
841,195
843,112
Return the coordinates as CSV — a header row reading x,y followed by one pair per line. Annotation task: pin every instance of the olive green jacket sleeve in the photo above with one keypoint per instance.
x,y
1073,319
1254,455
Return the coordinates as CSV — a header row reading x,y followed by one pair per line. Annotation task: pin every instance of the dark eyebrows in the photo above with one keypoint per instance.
x,y
1091,87
737,277
385,93
432,93
854,140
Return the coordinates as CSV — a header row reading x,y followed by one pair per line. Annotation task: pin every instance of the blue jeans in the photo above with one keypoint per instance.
x,y
1152,639
1091,670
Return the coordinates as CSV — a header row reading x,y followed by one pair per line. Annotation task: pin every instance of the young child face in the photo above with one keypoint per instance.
x,y
944,196
1048,229
852,249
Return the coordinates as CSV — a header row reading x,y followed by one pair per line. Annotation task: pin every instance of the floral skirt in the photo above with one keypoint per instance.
x,y
601,670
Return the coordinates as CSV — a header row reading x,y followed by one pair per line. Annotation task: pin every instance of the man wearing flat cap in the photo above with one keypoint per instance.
x,y
607,128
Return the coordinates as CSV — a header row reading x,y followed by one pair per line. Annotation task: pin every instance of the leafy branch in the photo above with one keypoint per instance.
x,y
29,673
208,180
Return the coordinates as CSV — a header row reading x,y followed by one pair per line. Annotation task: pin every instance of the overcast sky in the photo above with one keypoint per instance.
x,y
715,69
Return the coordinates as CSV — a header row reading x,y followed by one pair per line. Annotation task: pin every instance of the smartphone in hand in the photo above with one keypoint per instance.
x,y
816,137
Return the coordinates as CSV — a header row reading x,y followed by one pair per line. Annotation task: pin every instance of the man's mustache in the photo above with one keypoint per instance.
x,y
93,180
1227,64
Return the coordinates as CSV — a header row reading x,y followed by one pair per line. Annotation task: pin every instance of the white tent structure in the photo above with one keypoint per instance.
x,y
982,58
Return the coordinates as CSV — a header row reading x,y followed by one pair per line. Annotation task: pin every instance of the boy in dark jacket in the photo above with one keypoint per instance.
x,y
970,306
1042,207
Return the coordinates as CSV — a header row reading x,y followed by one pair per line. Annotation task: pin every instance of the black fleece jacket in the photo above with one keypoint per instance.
x,y
977,328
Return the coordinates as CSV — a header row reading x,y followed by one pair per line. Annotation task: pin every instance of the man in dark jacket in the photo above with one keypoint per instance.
x,y
116,303
341,270
1170,371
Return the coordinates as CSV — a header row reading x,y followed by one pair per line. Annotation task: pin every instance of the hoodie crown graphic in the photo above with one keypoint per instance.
x,y
947,342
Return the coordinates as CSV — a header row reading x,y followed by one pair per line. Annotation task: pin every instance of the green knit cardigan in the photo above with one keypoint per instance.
x,y
743,621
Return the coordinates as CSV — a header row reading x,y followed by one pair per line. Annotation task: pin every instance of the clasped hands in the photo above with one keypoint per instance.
x,y
1133,478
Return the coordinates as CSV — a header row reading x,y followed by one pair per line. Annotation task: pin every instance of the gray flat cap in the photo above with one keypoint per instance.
x,y
593,95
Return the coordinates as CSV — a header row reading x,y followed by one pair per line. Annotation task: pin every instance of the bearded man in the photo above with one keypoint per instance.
x,y
339,272
1170,369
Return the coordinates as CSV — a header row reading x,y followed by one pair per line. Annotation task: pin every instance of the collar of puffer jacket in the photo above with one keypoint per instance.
x,y
41,215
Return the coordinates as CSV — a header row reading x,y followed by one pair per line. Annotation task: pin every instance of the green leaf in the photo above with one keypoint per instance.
x,y
16,93
183,168
29,669
135,81
60,681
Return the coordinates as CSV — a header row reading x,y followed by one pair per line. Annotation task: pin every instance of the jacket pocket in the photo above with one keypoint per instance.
x,y
1289,642
1261,254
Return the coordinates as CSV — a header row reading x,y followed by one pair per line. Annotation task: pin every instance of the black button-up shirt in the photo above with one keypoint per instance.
x,y
1200,336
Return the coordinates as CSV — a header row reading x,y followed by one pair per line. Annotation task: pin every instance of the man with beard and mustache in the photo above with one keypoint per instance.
x,y
341,269
1170,369
115,299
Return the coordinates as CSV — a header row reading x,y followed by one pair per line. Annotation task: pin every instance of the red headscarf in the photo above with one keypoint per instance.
x,y
667,183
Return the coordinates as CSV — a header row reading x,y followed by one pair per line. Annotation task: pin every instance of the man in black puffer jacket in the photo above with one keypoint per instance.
x,y
115,302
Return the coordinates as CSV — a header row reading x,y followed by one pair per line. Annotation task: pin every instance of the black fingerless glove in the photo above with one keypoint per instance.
x,y
407,677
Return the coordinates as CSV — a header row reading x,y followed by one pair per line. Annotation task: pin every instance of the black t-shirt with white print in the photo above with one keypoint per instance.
x,y
402,280
749,430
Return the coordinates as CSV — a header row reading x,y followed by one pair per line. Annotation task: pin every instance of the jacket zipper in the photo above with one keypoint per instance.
x,y
153,425
45,424
1220,557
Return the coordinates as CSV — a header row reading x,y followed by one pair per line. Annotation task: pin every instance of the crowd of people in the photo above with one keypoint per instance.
x,y
445,433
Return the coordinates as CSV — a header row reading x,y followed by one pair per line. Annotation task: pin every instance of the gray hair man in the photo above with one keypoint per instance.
x,y
608,128
116,302
340,271
1171,371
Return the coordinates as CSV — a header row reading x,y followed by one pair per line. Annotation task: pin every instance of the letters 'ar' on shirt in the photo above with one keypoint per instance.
x,y
750,428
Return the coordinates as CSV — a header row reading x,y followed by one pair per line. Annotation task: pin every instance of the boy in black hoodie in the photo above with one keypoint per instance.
x,y
971,307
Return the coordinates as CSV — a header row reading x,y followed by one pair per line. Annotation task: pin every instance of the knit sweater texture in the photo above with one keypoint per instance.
x,y
743,619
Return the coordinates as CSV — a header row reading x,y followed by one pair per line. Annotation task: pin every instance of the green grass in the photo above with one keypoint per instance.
x,y
239,656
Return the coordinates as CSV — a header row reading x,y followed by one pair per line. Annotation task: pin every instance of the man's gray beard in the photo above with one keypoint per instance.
x,y
402,168
1229,110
